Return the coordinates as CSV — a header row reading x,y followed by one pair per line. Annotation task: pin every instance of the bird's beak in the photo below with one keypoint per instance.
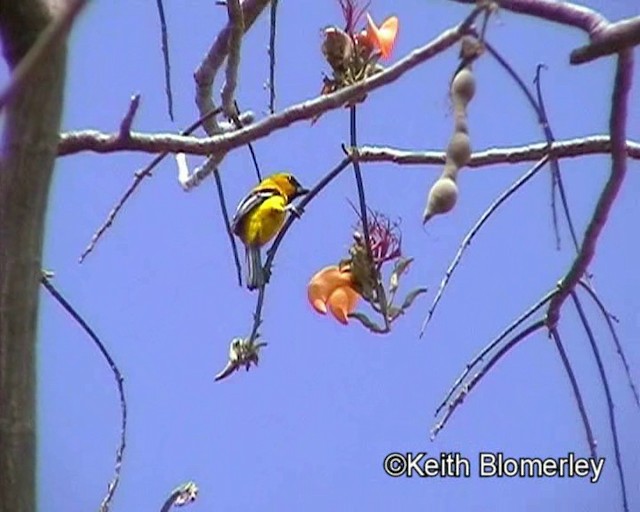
x,y
300,191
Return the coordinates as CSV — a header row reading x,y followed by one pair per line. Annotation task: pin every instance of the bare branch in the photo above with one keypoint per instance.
x,y
609,318
469,236
624,71
127,121
236,20
49,39
614,38
90,140
165,56
566,13
494,343
111,488
475,380
137,179
272,56
208,68
607,390
591,442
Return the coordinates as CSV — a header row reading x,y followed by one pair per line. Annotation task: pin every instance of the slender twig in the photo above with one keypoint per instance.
x,y
165,56
469,236
137,179
111,488
607,390
271,253
127,121
557,177
554,166
272,56
591,441
48,39
227,224
571,148
493,344
459,398
362,203
238,123
623,78
538,107
236,21
609,318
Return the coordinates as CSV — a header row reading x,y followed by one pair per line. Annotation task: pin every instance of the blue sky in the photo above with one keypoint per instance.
x,y
310,427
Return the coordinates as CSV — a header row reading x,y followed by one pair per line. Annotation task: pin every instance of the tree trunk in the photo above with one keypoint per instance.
x,y
27,153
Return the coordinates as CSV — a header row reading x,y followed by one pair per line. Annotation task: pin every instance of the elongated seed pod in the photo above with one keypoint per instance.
x,y
444,192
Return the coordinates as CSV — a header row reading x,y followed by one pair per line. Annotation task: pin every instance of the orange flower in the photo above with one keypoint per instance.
x,y
333,287
382,37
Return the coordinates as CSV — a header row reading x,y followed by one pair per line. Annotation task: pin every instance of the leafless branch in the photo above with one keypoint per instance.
x,y
614,38
469,236
49,39
165,56
494,343
591,442
475,380
609,318
571,148
127,121
236,20
212,61
272,55
618,120
111,488
607,390
90,140
137,179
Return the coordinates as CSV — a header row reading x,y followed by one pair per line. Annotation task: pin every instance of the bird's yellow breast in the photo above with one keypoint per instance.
x,y
264,222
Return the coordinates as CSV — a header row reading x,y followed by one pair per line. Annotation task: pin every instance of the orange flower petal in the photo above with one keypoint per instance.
x,y
342,302
385,36
322,285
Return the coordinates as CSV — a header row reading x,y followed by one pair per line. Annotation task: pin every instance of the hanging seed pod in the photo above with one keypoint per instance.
x,y
442,198
459,150
444,192
463,87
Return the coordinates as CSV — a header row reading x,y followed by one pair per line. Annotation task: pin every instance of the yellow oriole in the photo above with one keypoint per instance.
x,y
260,216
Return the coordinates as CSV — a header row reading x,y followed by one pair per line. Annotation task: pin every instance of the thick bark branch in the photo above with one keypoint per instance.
x,y
28,150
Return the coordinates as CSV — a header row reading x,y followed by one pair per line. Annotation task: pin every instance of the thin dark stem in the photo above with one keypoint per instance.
x,y
111,488
544,123
280,236
474,230
362,202
165,56
137,179
607,390
609,318
272,56
459,398
236,120
227,224
591,442
494,343
555,166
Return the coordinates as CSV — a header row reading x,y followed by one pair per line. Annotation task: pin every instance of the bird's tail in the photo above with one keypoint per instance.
x,y
255,275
